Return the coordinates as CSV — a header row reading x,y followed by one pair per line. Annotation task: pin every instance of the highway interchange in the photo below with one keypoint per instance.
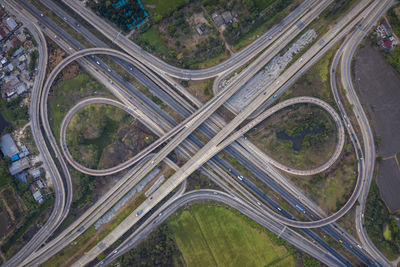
x,y
199,116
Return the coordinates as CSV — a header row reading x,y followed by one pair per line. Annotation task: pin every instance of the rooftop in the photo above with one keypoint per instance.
x,y
8,146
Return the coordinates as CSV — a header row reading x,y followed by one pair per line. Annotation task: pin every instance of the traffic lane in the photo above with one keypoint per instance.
x,y
195,196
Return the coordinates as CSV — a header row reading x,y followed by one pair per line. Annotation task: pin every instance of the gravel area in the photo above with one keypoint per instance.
x,y
266,76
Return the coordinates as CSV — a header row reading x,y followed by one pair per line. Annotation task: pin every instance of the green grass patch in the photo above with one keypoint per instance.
x,y
381,225
213,235
66,94
92,129
387,234
152,38
13,113
162,7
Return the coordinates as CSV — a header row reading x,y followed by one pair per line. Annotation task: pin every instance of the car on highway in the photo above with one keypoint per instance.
x,y
240,177
139,213
275,96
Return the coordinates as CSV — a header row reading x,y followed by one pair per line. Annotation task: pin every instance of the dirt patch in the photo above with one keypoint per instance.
x,y
131,140
56,55
378,85
388,180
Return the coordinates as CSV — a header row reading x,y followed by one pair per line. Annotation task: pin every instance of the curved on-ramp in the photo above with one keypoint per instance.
x,y
158,142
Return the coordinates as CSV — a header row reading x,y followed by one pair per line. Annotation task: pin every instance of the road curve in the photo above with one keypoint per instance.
x,y
249,211
287,103
233,137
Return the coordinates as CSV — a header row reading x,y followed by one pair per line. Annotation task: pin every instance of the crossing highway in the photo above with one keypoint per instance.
x,y
189,124
234,62
346,52
166,210
171,182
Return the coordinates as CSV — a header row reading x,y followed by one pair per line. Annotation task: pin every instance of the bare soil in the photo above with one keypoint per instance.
x,y
388,180
56,55
378,85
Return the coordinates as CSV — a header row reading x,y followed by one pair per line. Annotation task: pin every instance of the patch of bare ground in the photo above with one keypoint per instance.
x,y
131,140
388,180
56,55
202,89
378,86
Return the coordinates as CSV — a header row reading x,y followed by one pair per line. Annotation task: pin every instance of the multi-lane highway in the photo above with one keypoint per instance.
x,y
233,62
208,109
337,33
346,52
166,210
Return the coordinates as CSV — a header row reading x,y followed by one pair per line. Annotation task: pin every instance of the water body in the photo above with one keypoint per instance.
x,y
297,140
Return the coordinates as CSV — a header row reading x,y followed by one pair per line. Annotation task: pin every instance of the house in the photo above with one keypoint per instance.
x,y
24,149
12,25
19,166
9,67
227,16
387,44
3,61
38,196
18,52
8,146
23,177
218,20
21,89
201,29
36,173
40,184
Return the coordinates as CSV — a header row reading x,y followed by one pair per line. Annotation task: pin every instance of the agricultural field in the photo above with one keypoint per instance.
x,y
212,235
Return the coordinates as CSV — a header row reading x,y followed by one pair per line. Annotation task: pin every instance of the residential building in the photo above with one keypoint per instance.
x,y
8,146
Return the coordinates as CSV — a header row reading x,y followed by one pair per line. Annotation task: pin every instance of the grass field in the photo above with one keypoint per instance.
x,y
306,152
92,129
153,37
162,7
67,93
214,236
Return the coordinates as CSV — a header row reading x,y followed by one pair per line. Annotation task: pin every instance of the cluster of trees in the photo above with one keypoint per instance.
x,y
121,12
394,20
252,17
377,217
32,63
14,113
158,249
317,130
84,195
178,22
394,56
